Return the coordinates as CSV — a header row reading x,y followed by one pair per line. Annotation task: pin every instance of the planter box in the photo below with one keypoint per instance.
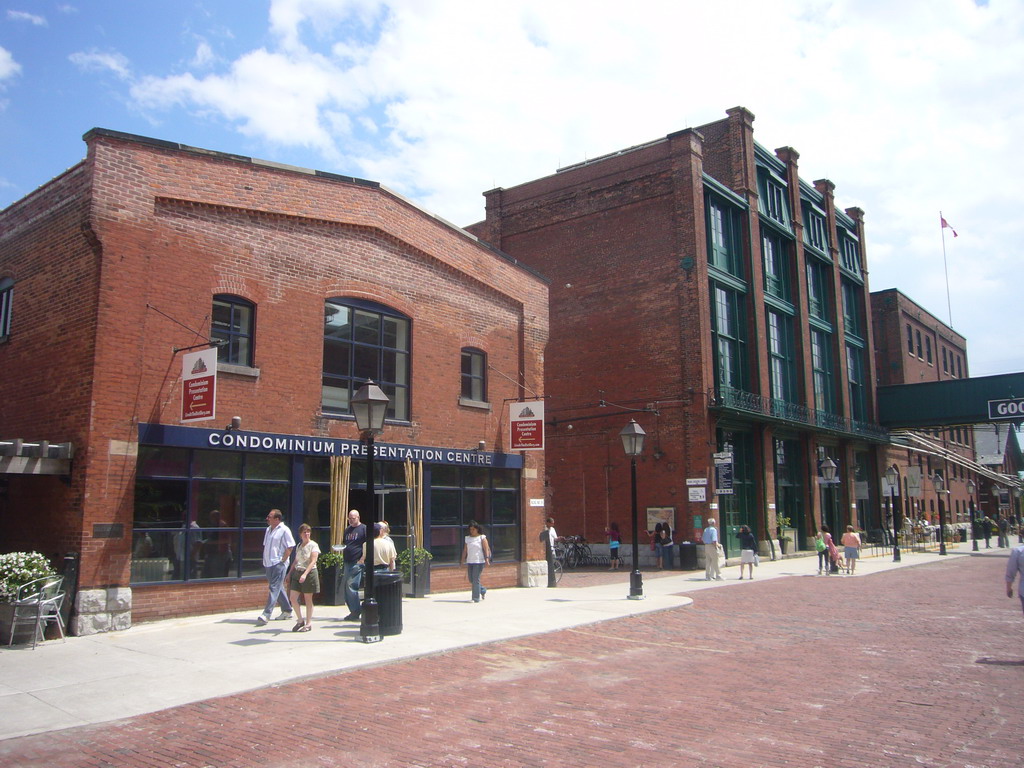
x,y
332,586
22,635
420,585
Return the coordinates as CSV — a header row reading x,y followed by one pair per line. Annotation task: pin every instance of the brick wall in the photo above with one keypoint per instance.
x,y
127,267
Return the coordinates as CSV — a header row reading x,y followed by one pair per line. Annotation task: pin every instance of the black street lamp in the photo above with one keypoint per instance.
x,y
940,488
892,477
633,443
370,405
971,488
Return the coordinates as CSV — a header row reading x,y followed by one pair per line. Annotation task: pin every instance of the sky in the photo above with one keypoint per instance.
x,y
910,108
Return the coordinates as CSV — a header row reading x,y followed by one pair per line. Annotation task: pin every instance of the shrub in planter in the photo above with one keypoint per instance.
x,y
331,566
420,559
17,568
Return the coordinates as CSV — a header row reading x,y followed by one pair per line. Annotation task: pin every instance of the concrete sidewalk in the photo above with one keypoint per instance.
x,y
158,665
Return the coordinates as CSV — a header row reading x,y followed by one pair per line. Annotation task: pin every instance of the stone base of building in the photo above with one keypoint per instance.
x,y
102,610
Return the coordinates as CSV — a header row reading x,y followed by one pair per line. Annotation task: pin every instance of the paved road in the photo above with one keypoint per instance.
x,y
919,666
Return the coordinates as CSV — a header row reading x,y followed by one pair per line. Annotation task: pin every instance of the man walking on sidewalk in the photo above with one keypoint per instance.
x,y
1015,570
712,569
352,572
277,548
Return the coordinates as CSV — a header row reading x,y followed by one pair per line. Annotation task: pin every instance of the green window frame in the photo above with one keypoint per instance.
x,y
724,242
775,255
855,376
780,357
824,377
729,337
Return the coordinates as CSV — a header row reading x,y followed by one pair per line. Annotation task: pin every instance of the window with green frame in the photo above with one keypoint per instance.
x,y
815,228
818,289
724,248
775,253
460,495
821,363
780,357
849,252
855,375
853,317
772,200
729,337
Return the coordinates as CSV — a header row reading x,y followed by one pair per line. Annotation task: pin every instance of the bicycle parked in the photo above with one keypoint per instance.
x,y
576,552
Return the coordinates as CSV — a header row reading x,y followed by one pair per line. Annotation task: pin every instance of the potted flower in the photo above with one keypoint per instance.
x,y
331,566
16,569
416,559
783,523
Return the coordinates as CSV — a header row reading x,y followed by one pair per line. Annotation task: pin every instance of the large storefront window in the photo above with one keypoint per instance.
x,y
460,495
200,513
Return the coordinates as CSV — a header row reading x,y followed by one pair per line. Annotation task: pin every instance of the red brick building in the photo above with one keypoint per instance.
x,y
700,286
913,346
311,282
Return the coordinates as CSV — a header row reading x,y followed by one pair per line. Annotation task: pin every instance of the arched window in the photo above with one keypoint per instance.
x,y
233,324
365,340
474,375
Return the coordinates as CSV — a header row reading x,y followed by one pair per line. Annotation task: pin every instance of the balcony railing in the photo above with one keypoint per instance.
x,y
772,408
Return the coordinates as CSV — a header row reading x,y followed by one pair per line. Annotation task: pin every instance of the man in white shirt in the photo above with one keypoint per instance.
x,y
278,543
712,568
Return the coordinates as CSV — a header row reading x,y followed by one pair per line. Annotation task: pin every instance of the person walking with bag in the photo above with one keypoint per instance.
x,y
748,551
476,553
819,545
712,549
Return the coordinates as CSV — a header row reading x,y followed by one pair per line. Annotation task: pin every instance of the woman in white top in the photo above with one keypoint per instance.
x,y
304,579
476,553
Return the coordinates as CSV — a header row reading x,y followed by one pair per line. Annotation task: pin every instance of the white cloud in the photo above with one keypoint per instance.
x,y
8,66
31,18
910,108
95,61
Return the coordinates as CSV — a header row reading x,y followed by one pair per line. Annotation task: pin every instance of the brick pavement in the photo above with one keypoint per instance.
x,y
918,666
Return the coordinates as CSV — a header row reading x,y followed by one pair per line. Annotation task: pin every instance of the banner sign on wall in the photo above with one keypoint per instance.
x,y
527,426
199,385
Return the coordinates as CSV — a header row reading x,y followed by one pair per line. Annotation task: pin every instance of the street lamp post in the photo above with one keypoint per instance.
x,y
370,405
633,443
971,488
892,476
940,488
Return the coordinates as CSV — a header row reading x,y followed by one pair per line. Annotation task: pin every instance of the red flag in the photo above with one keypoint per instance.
x,y
945,225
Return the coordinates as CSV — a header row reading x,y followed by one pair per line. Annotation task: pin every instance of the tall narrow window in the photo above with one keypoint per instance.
x,y
729,339
232,325
855,372
817,290
6,299
959,368
724,248
776,264
780,357
474,375
365,340
928,349
821,360
910,339
851,309
917,334
945,361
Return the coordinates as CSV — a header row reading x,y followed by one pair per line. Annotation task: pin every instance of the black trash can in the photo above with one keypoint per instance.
x,y
687,556
387,590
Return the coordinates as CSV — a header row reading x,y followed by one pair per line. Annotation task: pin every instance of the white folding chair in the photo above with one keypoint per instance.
x,y
38,603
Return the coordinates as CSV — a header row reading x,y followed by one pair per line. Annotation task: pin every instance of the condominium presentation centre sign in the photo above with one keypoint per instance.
x,y
526,426
199,385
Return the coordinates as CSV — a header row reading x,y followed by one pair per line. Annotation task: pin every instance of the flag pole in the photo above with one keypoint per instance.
x,y
945,266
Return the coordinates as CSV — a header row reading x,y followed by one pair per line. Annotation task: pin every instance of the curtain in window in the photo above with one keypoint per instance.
x,y
341,467
414,482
